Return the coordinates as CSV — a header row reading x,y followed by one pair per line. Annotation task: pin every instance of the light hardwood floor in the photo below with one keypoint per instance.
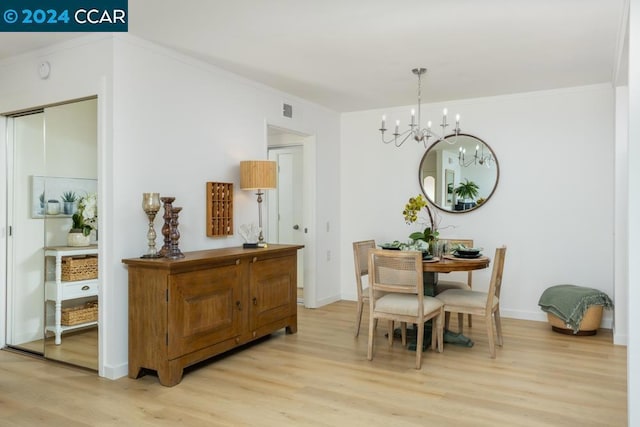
x,y
321,376
78,347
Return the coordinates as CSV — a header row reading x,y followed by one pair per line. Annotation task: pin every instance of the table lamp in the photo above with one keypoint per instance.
x,y
258,175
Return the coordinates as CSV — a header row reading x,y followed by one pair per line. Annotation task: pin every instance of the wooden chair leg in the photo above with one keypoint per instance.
x,y
434,332
372,327
440,327
403,333
492,342
420,340
390,333
460,322
470,324
447,316
496,316
359,316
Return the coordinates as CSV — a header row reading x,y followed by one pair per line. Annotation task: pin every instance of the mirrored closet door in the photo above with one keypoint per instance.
x,y
52,299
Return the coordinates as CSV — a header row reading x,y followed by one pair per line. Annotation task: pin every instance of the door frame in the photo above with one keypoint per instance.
x,y
308,144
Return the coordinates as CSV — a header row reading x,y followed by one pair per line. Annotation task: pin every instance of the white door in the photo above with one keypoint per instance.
x,y
286,205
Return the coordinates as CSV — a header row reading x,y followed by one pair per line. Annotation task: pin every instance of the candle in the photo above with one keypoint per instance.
x,y
383,119
413,117
397,125
457,119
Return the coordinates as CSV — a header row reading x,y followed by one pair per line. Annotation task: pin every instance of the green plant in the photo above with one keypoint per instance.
x,y
467,190
69,196
411,211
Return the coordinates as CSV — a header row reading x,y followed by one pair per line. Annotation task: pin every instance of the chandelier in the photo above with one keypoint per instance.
x,y
478,158
416,130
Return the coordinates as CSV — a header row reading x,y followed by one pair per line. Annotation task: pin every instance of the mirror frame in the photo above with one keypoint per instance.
x,y
421,180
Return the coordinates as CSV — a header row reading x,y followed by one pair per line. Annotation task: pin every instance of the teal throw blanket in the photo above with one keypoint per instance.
x,y
570,302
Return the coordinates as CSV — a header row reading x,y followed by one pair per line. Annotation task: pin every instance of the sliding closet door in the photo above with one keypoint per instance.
x,y
71,170
53,153
25,284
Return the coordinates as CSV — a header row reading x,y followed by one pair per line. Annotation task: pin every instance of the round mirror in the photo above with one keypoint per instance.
x,y
459,173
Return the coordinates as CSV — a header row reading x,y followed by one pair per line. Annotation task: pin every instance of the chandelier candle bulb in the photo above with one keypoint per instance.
x,y
383,120
413,117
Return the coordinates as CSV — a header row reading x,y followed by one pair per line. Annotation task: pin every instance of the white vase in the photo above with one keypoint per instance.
x,y
75,238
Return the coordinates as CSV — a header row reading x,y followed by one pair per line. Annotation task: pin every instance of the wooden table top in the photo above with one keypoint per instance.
x,y
449,263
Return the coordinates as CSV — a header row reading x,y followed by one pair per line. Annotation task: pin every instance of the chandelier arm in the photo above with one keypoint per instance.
x,y
406,135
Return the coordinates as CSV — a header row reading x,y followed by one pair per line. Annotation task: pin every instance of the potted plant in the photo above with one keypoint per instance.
x,y
430,234
69,199
467,190
83,221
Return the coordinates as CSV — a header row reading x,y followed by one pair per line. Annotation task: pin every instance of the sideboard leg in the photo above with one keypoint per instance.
x,y
134,371
292,328
170,374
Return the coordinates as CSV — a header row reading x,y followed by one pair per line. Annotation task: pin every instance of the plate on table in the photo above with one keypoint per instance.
x,y
465,255
432,259
390,246
468,251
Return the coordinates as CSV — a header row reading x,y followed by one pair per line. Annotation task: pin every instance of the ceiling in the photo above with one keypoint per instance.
x,y
353,55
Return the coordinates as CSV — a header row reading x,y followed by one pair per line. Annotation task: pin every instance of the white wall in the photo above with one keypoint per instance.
x,y
633,355
169,123
621,219
553,206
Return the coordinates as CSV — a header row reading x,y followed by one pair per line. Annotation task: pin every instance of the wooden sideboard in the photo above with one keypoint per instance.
x,y
186,310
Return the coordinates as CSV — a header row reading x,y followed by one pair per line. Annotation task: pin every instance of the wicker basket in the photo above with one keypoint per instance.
x,y
79,267
588,326
80,314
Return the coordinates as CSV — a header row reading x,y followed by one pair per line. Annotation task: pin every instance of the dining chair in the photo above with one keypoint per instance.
x,y
479,303
444,285
361,263
396,293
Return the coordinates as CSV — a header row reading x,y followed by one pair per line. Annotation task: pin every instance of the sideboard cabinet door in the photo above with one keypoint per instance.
x,y
273,293
205,308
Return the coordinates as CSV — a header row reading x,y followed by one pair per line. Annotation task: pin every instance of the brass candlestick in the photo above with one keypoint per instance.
x,y
151,206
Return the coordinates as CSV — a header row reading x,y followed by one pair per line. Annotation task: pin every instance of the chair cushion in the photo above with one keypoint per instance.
x,y
405,304
459,297
445,285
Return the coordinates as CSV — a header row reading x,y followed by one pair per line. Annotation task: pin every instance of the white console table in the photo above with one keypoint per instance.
x,y
58,291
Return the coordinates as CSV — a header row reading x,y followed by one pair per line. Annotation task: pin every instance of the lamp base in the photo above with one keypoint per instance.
x,y
254,245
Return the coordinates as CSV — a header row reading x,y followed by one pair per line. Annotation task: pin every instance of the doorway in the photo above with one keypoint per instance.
x,y
291,204
52,152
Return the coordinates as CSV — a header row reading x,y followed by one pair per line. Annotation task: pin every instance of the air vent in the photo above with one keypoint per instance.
x,y
287,110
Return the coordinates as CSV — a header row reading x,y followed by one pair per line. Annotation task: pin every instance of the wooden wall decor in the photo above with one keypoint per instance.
x,y
219,209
